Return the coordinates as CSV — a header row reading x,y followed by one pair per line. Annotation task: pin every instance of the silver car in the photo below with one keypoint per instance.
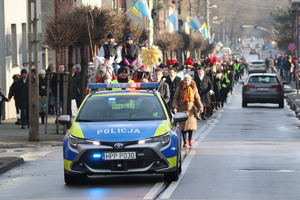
x,y
263,88
257,66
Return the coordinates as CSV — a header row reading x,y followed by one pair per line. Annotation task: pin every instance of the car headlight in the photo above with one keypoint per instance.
x,y
164,139
74,141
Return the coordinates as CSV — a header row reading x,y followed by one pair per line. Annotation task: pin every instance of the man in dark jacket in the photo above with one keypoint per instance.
x,y
163,87
11,94
173,81
22,96
205,87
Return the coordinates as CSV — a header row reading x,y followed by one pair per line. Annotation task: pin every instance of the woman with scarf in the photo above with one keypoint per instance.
x,y
186,97
130,53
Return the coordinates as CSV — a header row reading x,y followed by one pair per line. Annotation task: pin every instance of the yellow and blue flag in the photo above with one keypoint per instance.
x,y
174,20
141,6
194,23
204,31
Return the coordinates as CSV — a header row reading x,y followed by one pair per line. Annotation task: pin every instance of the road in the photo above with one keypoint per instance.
x,y
239,154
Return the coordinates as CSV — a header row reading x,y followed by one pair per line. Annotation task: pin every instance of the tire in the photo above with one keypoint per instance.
x,y
281,104
74,179
173,176
244,104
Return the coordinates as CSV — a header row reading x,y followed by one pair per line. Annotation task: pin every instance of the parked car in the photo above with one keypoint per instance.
x,y
226,50
263,88
257,66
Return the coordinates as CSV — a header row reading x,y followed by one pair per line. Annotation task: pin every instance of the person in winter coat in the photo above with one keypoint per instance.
x,y
173,81
2,99
11,94
185,99
205,89
130,53
163,87
110,52
42,95
22,96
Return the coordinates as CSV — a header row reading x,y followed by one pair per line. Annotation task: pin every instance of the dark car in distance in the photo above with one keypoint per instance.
x,y
253,51
263,88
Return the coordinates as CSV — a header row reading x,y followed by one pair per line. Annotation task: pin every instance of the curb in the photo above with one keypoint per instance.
x,y
7,163
294,104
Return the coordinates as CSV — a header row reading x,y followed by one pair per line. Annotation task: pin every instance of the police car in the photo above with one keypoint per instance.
x,y
122,132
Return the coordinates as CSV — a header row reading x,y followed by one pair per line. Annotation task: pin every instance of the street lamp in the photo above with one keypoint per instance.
x,y
208,7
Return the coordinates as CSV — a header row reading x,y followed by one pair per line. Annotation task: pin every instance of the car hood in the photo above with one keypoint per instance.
x,y
119,131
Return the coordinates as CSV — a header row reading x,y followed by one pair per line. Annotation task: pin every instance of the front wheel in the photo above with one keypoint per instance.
x,y
281,104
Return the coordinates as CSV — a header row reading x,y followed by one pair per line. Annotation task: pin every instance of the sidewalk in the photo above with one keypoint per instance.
x,y
12,136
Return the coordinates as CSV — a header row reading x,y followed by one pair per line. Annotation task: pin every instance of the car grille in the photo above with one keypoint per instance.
x,y
144,158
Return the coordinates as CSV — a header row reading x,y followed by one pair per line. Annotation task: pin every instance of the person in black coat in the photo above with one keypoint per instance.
x,y
11,94
42,95
163,87
130,53
205,87
22,96
173,81
215,77
2,99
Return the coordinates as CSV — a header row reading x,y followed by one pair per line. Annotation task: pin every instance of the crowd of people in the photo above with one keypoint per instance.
x,y
202,89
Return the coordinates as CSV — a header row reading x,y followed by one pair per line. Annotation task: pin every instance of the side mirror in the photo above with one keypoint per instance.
x,y
180,117
64,120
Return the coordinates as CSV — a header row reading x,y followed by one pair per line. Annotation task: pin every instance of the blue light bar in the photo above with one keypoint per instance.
x,y
97,155
152,85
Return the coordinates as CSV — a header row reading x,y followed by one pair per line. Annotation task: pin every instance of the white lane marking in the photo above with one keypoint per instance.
x,y
34,155
154,190
167,193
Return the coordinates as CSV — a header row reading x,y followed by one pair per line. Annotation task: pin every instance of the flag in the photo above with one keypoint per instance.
x,y
211,40
174,20
195,23
218,46
141,6
203,31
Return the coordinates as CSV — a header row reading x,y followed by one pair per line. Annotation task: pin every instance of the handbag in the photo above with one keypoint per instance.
x,y
196,112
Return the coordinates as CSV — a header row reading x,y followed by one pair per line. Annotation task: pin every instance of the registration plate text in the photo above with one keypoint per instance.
x,y
120,156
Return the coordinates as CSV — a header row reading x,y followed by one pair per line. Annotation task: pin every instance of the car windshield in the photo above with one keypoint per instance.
x,y
121,108
263,79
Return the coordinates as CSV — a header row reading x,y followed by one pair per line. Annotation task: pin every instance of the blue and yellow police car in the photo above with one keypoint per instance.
x,y
127,128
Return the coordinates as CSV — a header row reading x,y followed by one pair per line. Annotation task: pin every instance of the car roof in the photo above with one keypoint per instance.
x,y
124,92
263,74
257,61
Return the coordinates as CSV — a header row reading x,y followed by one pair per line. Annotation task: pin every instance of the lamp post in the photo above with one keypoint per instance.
x,y
208,7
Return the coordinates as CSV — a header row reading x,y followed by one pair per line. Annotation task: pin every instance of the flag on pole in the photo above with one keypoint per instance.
x,y
194,23
218,46
211,40
203,31
174,20
141,6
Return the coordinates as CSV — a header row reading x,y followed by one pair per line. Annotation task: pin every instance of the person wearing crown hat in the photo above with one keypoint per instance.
x,y
22,97
110,52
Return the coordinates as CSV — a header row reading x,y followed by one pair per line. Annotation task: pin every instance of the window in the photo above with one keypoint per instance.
x,y
14,49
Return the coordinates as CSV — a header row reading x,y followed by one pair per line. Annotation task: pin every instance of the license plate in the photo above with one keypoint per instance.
x,y
120,156
262,89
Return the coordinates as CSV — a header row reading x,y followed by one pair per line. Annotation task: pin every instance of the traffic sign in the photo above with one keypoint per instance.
x,y
292,47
